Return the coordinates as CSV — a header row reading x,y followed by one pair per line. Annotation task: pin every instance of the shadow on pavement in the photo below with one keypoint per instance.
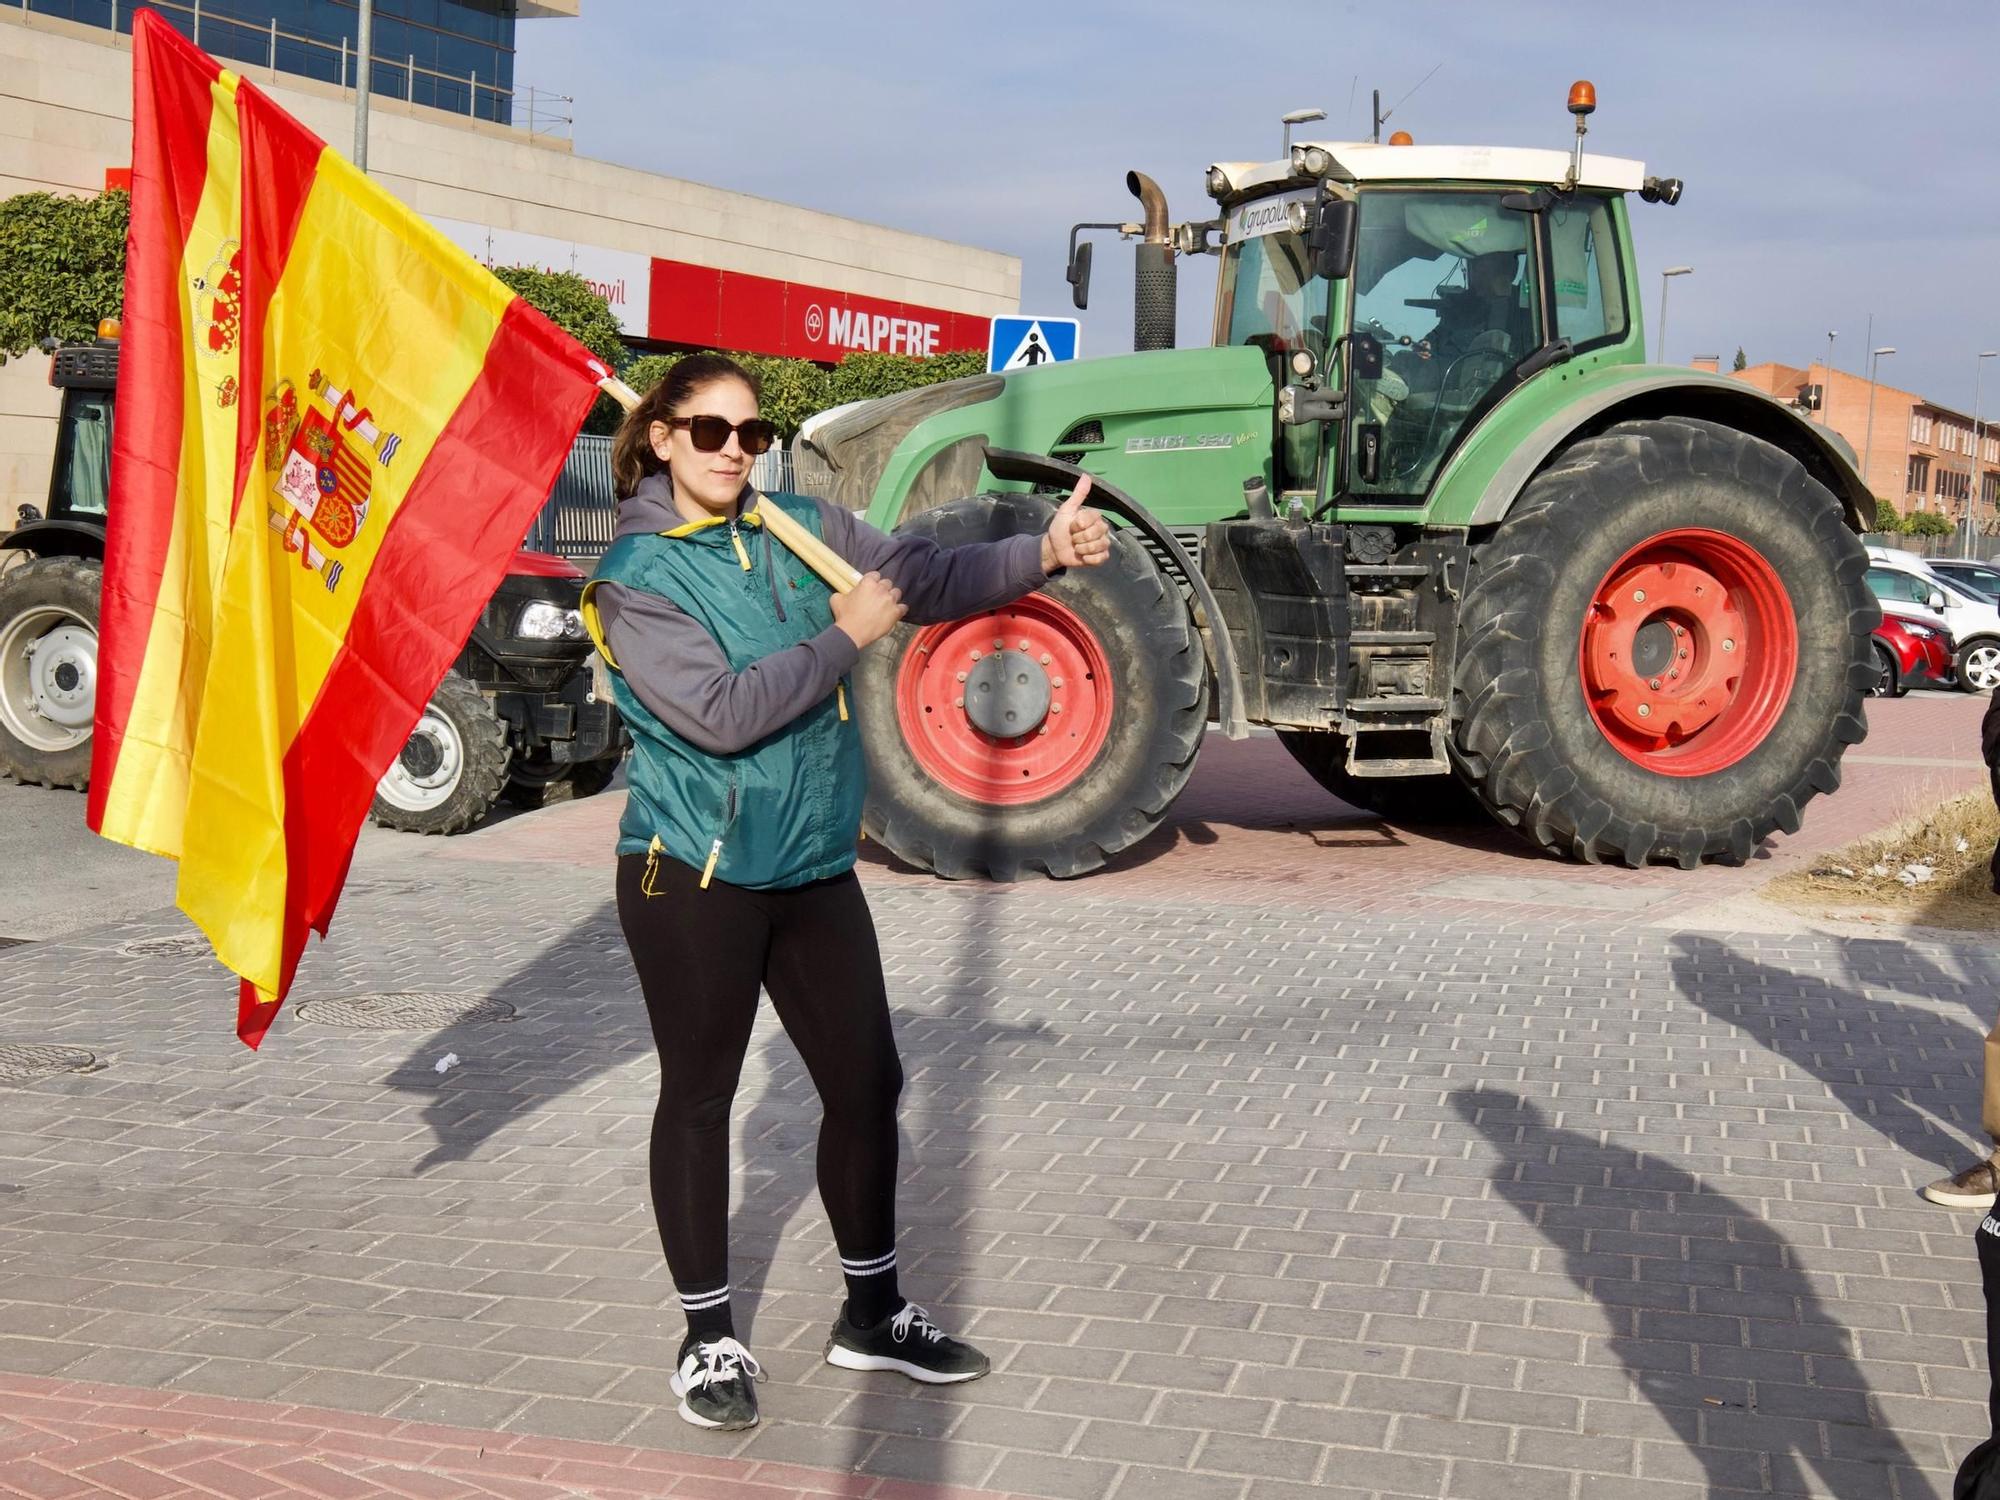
x,y
1898,1068
1684,1275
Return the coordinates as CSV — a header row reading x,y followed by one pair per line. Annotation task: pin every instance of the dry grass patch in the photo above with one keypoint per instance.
x,y
1930,869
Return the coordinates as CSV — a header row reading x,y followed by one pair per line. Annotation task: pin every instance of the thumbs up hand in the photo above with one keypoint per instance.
x,y
1076,538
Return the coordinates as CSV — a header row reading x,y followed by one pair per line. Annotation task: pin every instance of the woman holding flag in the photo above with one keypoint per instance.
x,y
729,661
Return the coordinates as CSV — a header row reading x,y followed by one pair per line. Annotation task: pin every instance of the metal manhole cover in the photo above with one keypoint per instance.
x,y
23,1062
181,945
406,1010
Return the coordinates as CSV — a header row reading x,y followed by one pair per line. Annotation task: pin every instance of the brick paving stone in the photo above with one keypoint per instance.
x,y
1320,1151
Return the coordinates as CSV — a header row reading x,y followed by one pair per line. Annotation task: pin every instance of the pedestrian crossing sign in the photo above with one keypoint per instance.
x,y
1023,343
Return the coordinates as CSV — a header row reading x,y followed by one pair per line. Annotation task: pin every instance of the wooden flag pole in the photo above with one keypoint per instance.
x,y
839,574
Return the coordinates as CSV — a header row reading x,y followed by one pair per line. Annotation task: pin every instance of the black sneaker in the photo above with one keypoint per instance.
x,y
907,1341
715,1384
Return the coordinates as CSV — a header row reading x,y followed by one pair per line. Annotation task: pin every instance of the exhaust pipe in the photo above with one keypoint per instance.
x,y
1155,288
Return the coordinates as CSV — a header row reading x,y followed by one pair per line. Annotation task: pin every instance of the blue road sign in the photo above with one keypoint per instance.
x,y
1023,343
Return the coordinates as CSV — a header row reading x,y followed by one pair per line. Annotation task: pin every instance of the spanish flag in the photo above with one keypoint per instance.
x,y
396,418
173,459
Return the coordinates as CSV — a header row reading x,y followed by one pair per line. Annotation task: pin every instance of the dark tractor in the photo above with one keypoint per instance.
x,y
517,716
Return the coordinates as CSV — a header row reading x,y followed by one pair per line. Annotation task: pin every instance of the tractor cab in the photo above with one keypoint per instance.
x,y
1402,292
80,479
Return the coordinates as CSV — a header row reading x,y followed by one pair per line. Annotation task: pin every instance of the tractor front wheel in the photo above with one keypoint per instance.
x,y
1047,734
1663,648
452,768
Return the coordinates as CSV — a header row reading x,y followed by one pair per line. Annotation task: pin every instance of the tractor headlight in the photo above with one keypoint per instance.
x,y
1316,161
543,621
1295,216
1218,182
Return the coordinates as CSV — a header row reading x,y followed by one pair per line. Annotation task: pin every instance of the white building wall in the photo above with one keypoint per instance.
x,y
65,116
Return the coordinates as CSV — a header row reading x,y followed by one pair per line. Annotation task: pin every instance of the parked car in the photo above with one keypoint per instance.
x,y
1910,652
1972,619
1984,577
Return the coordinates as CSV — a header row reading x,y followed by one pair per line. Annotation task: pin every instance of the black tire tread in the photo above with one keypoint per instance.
x,y
484,777
1503,749
895,816
81,579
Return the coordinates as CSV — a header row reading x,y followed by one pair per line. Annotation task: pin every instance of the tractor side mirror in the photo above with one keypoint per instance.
x,y
1332,239
1367,357
1078,275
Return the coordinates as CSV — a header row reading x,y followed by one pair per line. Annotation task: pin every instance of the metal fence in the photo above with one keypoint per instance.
x,y
580,516
1966,541
536,111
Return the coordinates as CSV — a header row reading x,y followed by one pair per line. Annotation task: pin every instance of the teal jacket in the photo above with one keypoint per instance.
x,y
729,671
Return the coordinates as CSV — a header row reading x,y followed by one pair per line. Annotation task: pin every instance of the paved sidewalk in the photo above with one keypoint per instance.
x,y
1262,1166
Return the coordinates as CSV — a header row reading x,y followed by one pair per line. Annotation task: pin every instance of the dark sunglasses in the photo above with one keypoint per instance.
x,y
710,433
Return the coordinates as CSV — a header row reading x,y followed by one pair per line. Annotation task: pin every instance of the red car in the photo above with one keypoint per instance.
x,y
1909,653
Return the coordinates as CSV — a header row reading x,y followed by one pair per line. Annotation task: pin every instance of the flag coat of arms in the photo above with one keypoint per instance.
x,y
334,428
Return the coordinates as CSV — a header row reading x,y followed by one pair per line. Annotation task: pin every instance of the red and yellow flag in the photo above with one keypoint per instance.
x,y
397,417
174,441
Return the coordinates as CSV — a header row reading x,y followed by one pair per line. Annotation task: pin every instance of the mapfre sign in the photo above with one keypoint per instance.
x,y
692,304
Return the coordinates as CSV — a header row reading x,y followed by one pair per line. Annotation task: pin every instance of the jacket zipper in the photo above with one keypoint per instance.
x,y
715,849
736,541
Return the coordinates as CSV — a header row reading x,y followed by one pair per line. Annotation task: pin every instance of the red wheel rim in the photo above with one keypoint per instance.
x,y
1688,652
1046,655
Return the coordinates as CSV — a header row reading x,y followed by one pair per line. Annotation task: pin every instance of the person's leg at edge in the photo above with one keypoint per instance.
x,y
824,975
699,955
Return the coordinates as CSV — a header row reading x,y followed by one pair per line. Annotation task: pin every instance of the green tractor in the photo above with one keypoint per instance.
x,y
1422,508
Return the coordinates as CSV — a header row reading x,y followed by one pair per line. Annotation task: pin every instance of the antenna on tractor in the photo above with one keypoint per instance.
x,y
1299,117
1382,115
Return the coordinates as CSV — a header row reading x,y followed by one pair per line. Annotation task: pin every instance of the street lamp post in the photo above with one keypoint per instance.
x,y
364,51
1972,500
1868,442
1826,382
1660,347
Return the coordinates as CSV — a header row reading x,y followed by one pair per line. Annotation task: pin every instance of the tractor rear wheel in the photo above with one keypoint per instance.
x,y
1416,801
48,669
1044,735
1663,648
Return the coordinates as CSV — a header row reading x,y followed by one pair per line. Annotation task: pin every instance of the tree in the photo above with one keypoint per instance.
x,y
568,302
1926,523
1741,362
1887,518
62,264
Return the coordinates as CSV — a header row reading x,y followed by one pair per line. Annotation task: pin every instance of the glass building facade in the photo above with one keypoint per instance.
x,y
456,55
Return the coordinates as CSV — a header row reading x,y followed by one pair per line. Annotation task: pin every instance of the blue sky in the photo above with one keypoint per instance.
x,y
1841,158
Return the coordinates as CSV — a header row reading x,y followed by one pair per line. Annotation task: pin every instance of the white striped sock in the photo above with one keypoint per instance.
x,y
702,1301
876,1267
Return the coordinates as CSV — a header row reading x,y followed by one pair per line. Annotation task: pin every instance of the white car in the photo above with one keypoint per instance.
x,y
1972,619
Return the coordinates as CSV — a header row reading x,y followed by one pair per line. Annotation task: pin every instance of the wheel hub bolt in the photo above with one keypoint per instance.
x,y
1055,708
1729,645
998,644
1043,730
1645,710
1024,645
958,703
1055,682
1638,596
1656,684
961,676
1046,658
976,655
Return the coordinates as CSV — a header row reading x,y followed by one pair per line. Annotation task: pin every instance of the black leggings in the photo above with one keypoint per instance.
x,y
701,956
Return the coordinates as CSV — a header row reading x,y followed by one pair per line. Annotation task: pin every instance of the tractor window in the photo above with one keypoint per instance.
x,y
1445,282
1269,296
82,481
1590,300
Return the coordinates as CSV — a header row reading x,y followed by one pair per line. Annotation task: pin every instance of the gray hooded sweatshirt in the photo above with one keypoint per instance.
x,y
678,669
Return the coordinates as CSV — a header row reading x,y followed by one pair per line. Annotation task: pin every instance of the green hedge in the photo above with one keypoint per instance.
x,y
62,267
796,388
